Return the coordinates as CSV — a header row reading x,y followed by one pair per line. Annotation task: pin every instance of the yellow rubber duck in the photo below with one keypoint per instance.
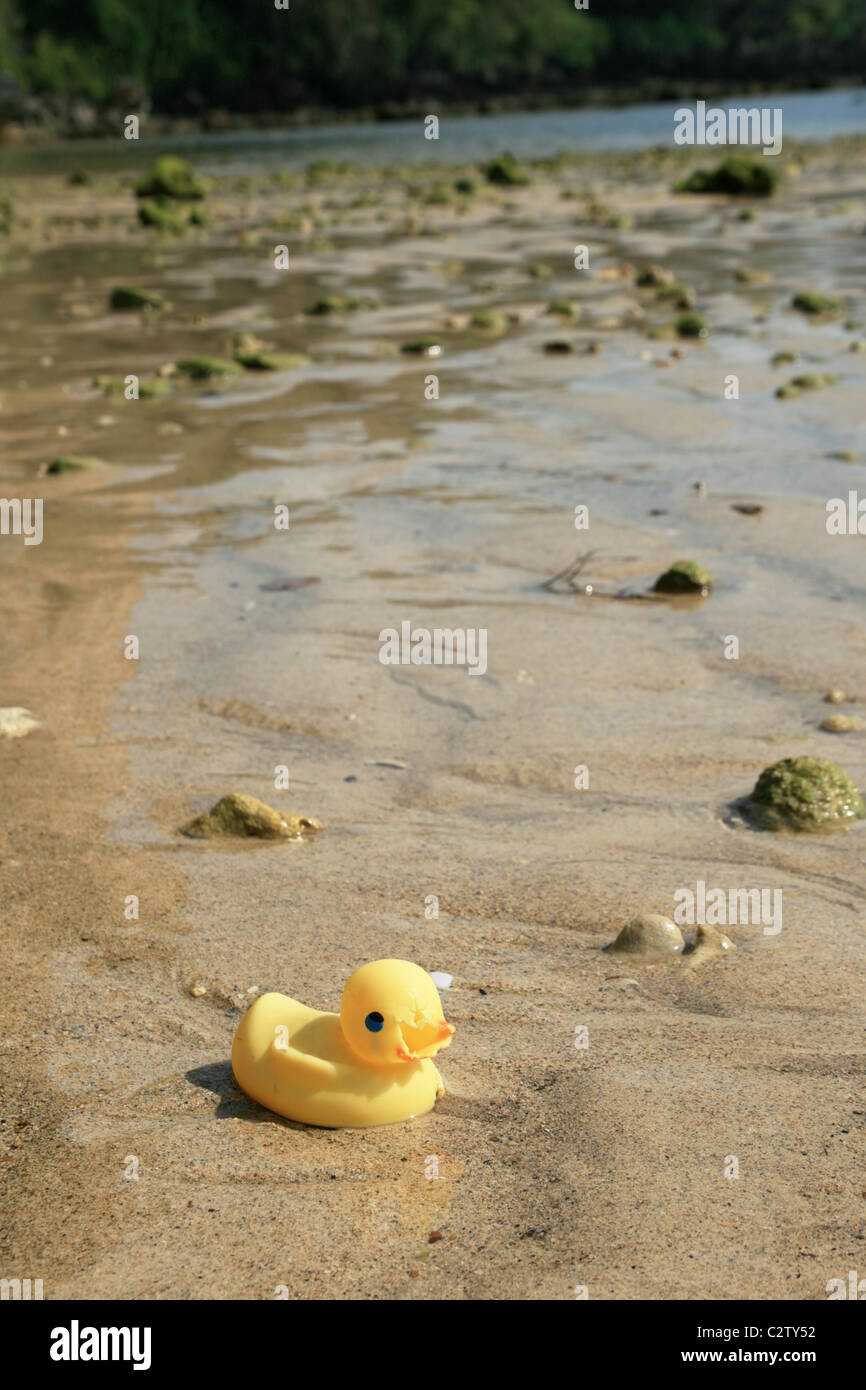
x,y
368,1065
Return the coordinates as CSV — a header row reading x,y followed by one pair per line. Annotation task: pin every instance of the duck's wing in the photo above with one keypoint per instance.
x,y
307,1056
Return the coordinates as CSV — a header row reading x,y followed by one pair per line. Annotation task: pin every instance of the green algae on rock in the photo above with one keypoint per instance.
x,y
243,815
558,345
427,346
811,302
692,325
805,794
564,308
128,297
203,368
148,388
648,937
72,463
170,177
783,359
271,361
505,170
160,216
811,381
684,577
336,304
737,175
489,321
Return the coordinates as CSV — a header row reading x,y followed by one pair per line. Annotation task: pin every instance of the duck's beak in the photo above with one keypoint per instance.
x,y
423,1039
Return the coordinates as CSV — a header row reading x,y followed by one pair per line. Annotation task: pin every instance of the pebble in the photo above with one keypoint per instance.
x,y
842,724
835,697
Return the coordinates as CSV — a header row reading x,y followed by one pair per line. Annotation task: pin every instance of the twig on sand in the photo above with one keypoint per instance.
x,y
571,574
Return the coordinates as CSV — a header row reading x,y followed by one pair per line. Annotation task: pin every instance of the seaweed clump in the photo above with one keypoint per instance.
x,y
737,174
805,794
684,577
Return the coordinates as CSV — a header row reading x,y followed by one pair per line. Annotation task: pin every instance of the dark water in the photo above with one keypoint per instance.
x,y
806,116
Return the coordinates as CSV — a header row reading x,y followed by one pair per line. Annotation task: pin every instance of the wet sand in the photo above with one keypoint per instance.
x,y
558,1167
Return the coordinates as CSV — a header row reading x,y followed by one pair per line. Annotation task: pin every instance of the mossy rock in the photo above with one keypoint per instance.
x,y
128,297
805,794
203,368
537,270
784,359
336,304
7,216
246,816
149,389
811,302
559,345
271,361
170,177
489,321
681,296
692,325
736,175
810,381
684,577
428,346
563,308
160,216
505,171
654,277
72,463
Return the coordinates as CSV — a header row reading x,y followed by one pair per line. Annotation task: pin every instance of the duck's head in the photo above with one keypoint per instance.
x,y
391,1013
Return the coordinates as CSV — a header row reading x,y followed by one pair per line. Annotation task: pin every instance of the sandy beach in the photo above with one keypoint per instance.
x,y
594,1106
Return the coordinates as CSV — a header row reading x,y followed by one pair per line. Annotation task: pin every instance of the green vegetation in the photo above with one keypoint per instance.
x,y
692,325
805,794
684,577
738,174
245,55
203,368
505,170
811,302
812,381
127,297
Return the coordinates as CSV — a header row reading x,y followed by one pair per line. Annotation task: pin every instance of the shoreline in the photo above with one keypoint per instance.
x,y
107,125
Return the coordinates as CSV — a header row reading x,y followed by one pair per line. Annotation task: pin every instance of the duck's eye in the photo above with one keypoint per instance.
x,y
374,1022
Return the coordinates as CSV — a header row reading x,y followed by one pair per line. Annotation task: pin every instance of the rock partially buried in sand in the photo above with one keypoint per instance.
x,y
239,814
71,463
128,297
805,794
15,722
684,577
842,724
709,944
649,937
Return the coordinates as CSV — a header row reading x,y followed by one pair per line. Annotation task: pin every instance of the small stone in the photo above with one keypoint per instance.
x,y
433,1237
835,697
709,943
243,815
197,991
842,724
15,722
648,937
128,297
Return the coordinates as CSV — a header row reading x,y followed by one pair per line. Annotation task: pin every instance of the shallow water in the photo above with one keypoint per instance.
x,y
530,135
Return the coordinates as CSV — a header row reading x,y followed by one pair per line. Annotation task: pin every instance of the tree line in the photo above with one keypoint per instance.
x,y
249,56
